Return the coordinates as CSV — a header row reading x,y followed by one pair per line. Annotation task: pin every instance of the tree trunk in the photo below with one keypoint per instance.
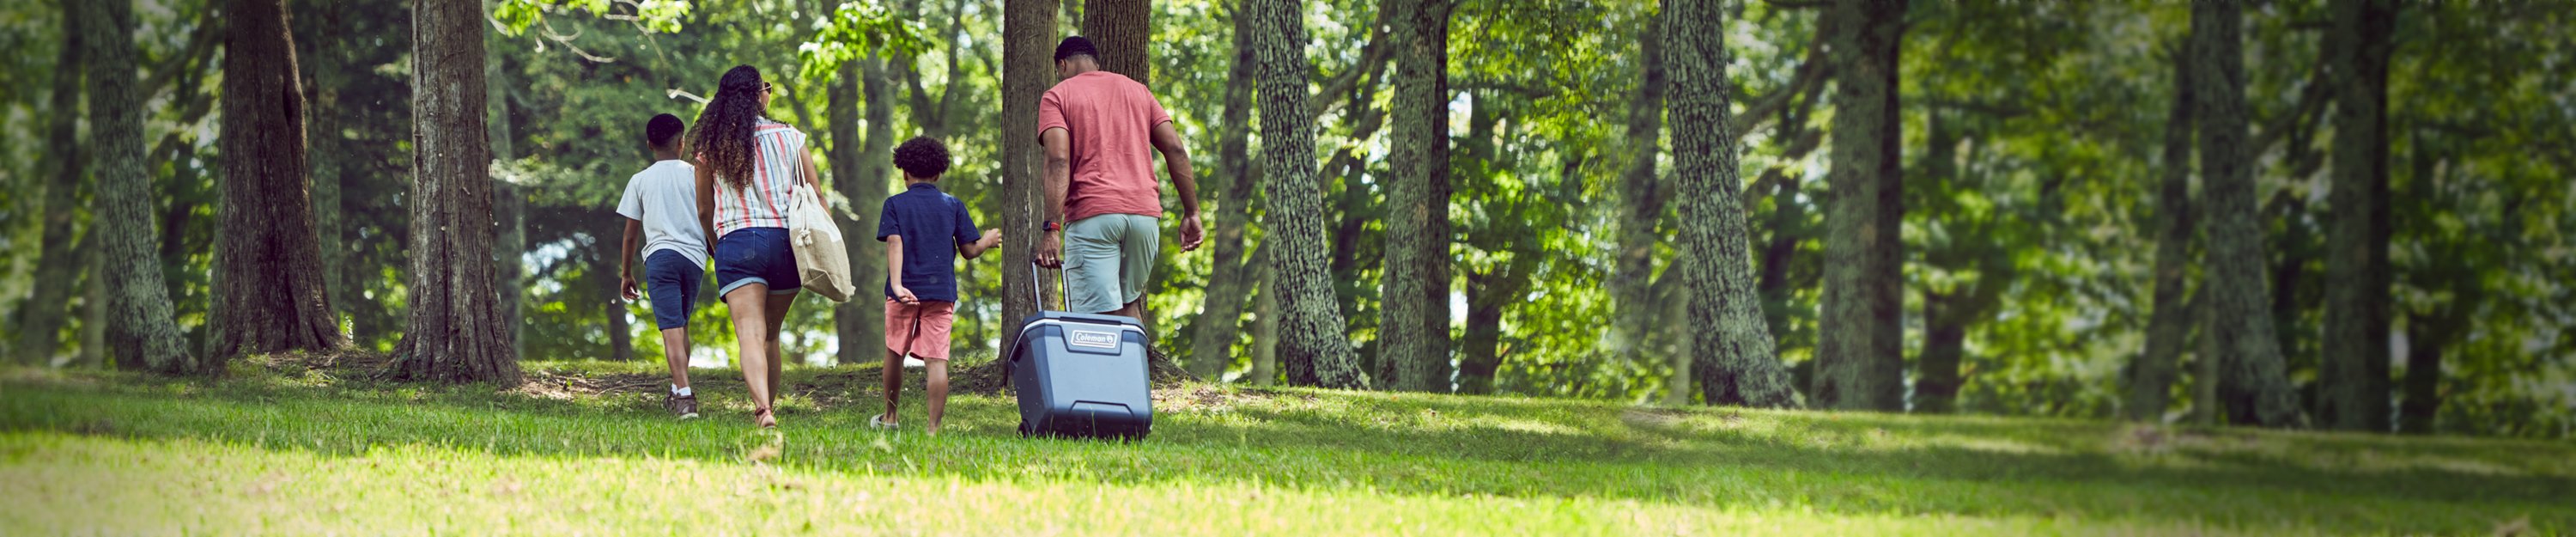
x,y
1265,323
1945,334
1411,341
1028,69
1641,204
1121,29
456,333
509,205
859,168
2355,369
323,63
40,316
268,261
95,305
2152,379
2426,337
1212,344
1311,341
141,330
2252,384
1859,356
621,334
1739,367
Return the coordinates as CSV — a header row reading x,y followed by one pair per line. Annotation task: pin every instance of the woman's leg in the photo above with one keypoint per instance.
x,y
751,326
776,314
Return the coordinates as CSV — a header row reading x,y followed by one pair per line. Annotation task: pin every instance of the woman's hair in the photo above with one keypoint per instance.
x,y
724,131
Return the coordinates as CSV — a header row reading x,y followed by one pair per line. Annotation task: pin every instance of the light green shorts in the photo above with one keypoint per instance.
x,y
1107,259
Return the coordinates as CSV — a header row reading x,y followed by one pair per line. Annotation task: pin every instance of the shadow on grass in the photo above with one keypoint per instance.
x,y
1404,444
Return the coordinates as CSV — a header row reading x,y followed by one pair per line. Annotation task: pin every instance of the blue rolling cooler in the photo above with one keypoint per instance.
x,y
1082,375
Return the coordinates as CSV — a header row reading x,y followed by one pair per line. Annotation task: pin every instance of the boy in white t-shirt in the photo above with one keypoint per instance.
x,y
661,210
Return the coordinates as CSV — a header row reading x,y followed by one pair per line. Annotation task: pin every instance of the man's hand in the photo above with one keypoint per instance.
x,y
1191,233
904,295
1050,250
626,288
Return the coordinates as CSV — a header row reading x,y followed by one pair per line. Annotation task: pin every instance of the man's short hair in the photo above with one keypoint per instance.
x,y
663,129
922,156
1075,46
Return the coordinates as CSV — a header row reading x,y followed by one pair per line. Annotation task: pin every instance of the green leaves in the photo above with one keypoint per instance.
x,y
662,16
853,31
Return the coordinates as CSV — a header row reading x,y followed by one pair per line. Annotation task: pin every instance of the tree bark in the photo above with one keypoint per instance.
x,y
325,79
1212,344
1738,366
859,168
2426,337
1860,363
141,332
621,334
1265,323
268,261
1311,341
2152,379
1641,205
456,333
1121,29
2355,369
1413,335
40,316
1028,69
509,205
2252,384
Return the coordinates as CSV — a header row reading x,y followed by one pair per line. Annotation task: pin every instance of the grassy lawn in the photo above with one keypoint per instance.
x,y
585,448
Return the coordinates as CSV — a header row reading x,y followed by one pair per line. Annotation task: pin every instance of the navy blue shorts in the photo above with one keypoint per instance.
x,y
672,282
756,255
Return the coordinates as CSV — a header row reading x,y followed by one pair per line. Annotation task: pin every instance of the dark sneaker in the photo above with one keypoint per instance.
x,y
684,406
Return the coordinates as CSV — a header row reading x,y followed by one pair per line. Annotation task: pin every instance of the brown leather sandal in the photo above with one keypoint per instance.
x,y
766,418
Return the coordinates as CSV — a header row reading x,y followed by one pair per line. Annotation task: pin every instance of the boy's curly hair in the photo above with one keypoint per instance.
x,y
922,157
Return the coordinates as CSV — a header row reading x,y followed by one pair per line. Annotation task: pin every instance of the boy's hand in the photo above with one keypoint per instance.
x,y
992,238
904,295
1050,250
626,288
1191,233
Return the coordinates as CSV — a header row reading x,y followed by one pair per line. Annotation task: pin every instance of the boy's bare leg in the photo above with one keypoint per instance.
x,y
893,376
777,316
749,305
675,352
938,397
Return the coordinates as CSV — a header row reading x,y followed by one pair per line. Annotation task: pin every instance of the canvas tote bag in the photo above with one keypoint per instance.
x,y
822,261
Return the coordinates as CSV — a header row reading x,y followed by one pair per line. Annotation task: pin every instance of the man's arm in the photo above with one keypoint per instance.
x,y
1059,183
634,242
1176,159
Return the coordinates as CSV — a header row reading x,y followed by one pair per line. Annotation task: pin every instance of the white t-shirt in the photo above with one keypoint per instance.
x,y
665,197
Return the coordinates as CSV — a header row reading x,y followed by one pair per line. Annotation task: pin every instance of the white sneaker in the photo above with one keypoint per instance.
x,y
878,422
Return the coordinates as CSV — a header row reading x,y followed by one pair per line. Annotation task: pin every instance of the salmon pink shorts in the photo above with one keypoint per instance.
x,y
919,329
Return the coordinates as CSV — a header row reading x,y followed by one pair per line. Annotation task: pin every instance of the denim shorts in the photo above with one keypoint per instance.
x,y
673,282
756,255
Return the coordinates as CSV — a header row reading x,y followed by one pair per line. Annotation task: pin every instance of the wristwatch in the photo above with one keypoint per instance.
x,y
1050,226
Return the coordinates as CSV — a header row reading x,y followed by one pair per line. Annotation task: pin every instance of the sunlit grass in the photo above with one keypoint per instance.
x,y
290,450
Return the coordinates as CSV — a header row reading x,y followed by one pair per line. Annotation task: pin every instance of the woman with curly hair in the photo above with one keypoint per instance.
x,y
750,167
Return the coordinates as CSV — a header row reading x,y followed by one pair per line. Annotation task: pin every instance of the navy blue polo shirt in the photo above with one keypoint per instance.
x,y
932,224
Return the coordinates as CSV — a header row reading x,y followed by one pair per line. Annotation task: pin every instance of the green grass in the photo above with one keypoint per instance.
x,y
289,450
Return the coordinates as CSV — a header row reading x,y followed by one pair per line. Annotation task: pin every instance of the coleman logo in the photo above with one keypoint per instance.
x,y
1098,340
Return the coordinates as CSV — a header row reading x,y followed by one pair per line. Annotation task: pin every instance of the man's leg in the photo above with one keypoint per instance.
x,y
938,397
893,377
675,353
1091,261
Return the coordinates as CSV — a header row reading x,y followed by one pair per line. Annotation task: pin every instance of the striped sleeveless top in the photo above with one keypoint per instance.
x,y
779,168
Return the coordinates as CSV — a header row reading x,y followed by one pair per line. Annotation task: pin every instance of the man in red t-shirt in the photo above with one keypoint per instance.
x,y
1101,130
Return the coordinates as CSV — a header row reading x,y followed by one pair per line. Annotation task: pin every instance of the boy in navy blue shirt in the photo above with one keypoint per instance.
x,y
924,231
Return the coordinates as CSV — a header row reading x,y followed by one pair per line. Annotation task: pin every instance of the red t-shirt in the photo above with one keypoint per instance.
x,y
1109,119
